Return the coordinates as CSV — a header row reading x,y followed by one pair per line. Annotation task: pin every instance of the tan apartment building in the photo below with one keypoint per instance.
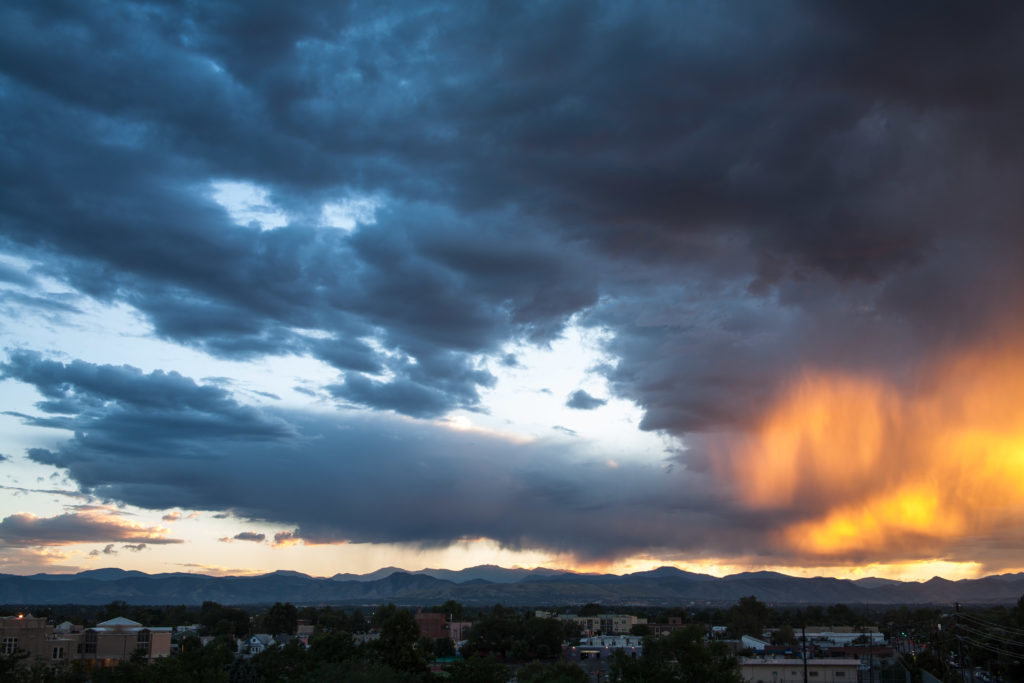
x,y
33,635
119,639
106,644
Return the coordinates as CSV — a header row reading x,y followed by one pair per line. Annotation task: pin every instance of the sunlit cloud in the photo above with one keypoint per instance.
x,y
32,560
865,468
217,570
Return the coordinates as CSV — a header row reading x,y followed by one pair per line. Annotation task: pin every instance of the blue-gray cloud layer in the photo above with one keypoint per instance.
x,y
351,477
733,191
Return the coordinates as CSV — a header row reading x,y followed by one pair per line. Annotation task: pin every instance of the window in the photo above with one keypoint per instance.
x,y
90,642
58,653
812,674
9,646
142,641
840,674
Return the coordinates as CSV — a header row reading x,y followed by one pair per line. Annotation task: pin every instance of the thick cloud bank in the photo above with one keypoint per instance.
x,y
739,195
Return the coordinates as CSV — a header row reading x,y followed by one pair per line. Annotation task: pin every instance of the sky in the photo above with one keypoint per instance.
x,y
604,286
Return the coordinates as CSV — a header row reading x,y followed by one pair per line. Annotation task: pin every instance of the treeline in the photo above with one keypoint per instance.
x,y
216,619
504,642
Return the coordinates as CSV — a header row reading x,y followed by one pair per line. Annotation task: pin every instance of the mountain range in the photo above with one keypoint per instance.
x,y
488,584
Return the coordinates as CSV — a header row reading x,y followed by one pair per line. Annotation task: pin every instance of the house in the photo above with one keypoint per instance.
x,y
258,642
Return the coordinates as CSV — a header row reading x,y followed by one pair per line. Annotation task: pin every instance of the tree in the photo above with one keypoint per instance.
x,y
399,634
212,614
11,662
333,647
478,670
443,647
117,608
359,623
784,635
749,617
590,609
281,619
680,657
558,672
452,609
543,636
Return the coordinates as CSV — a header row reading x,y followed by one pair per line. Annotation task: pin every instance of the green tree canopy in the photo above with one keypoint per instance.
x,y
281,618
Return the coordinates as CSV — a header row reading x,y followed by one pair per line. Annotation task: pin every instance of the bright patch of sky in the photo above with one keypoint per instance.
x,y
350,212
248,204
529,401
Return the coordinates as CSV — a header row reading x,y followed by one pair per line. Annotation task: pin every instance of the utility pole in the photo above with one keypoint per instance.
x,y
804,639
871,648
959,644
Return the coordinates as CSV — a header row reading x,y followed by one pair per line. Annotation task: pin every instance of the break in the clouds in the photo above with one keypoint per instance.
x,y
759,206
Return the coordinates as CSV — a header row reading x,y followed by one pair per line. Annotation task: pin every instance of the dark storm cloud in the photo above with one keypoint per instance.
x,y
635,133
581,400
533,161
323,473
732,191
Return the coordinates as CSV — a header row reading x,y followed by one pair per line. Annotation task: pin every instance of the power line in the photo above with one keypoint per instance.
x,y
990,648
990,624
990,636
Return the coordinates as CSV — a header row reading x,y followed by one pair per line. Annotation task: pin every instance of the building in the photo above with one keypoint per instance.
x,y
106,644
433,625
257,643
601,647
459,630
32,635
752,643
792,670
844,635
116,640
606,624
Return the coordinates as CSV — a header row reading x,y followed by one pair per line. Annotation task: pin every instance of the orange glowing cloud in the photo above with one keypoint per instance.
x,y
861,467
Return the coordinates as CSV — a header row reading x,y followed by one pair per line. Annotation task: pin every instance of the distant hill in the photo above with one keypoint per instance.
x,y
486,572
488,584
